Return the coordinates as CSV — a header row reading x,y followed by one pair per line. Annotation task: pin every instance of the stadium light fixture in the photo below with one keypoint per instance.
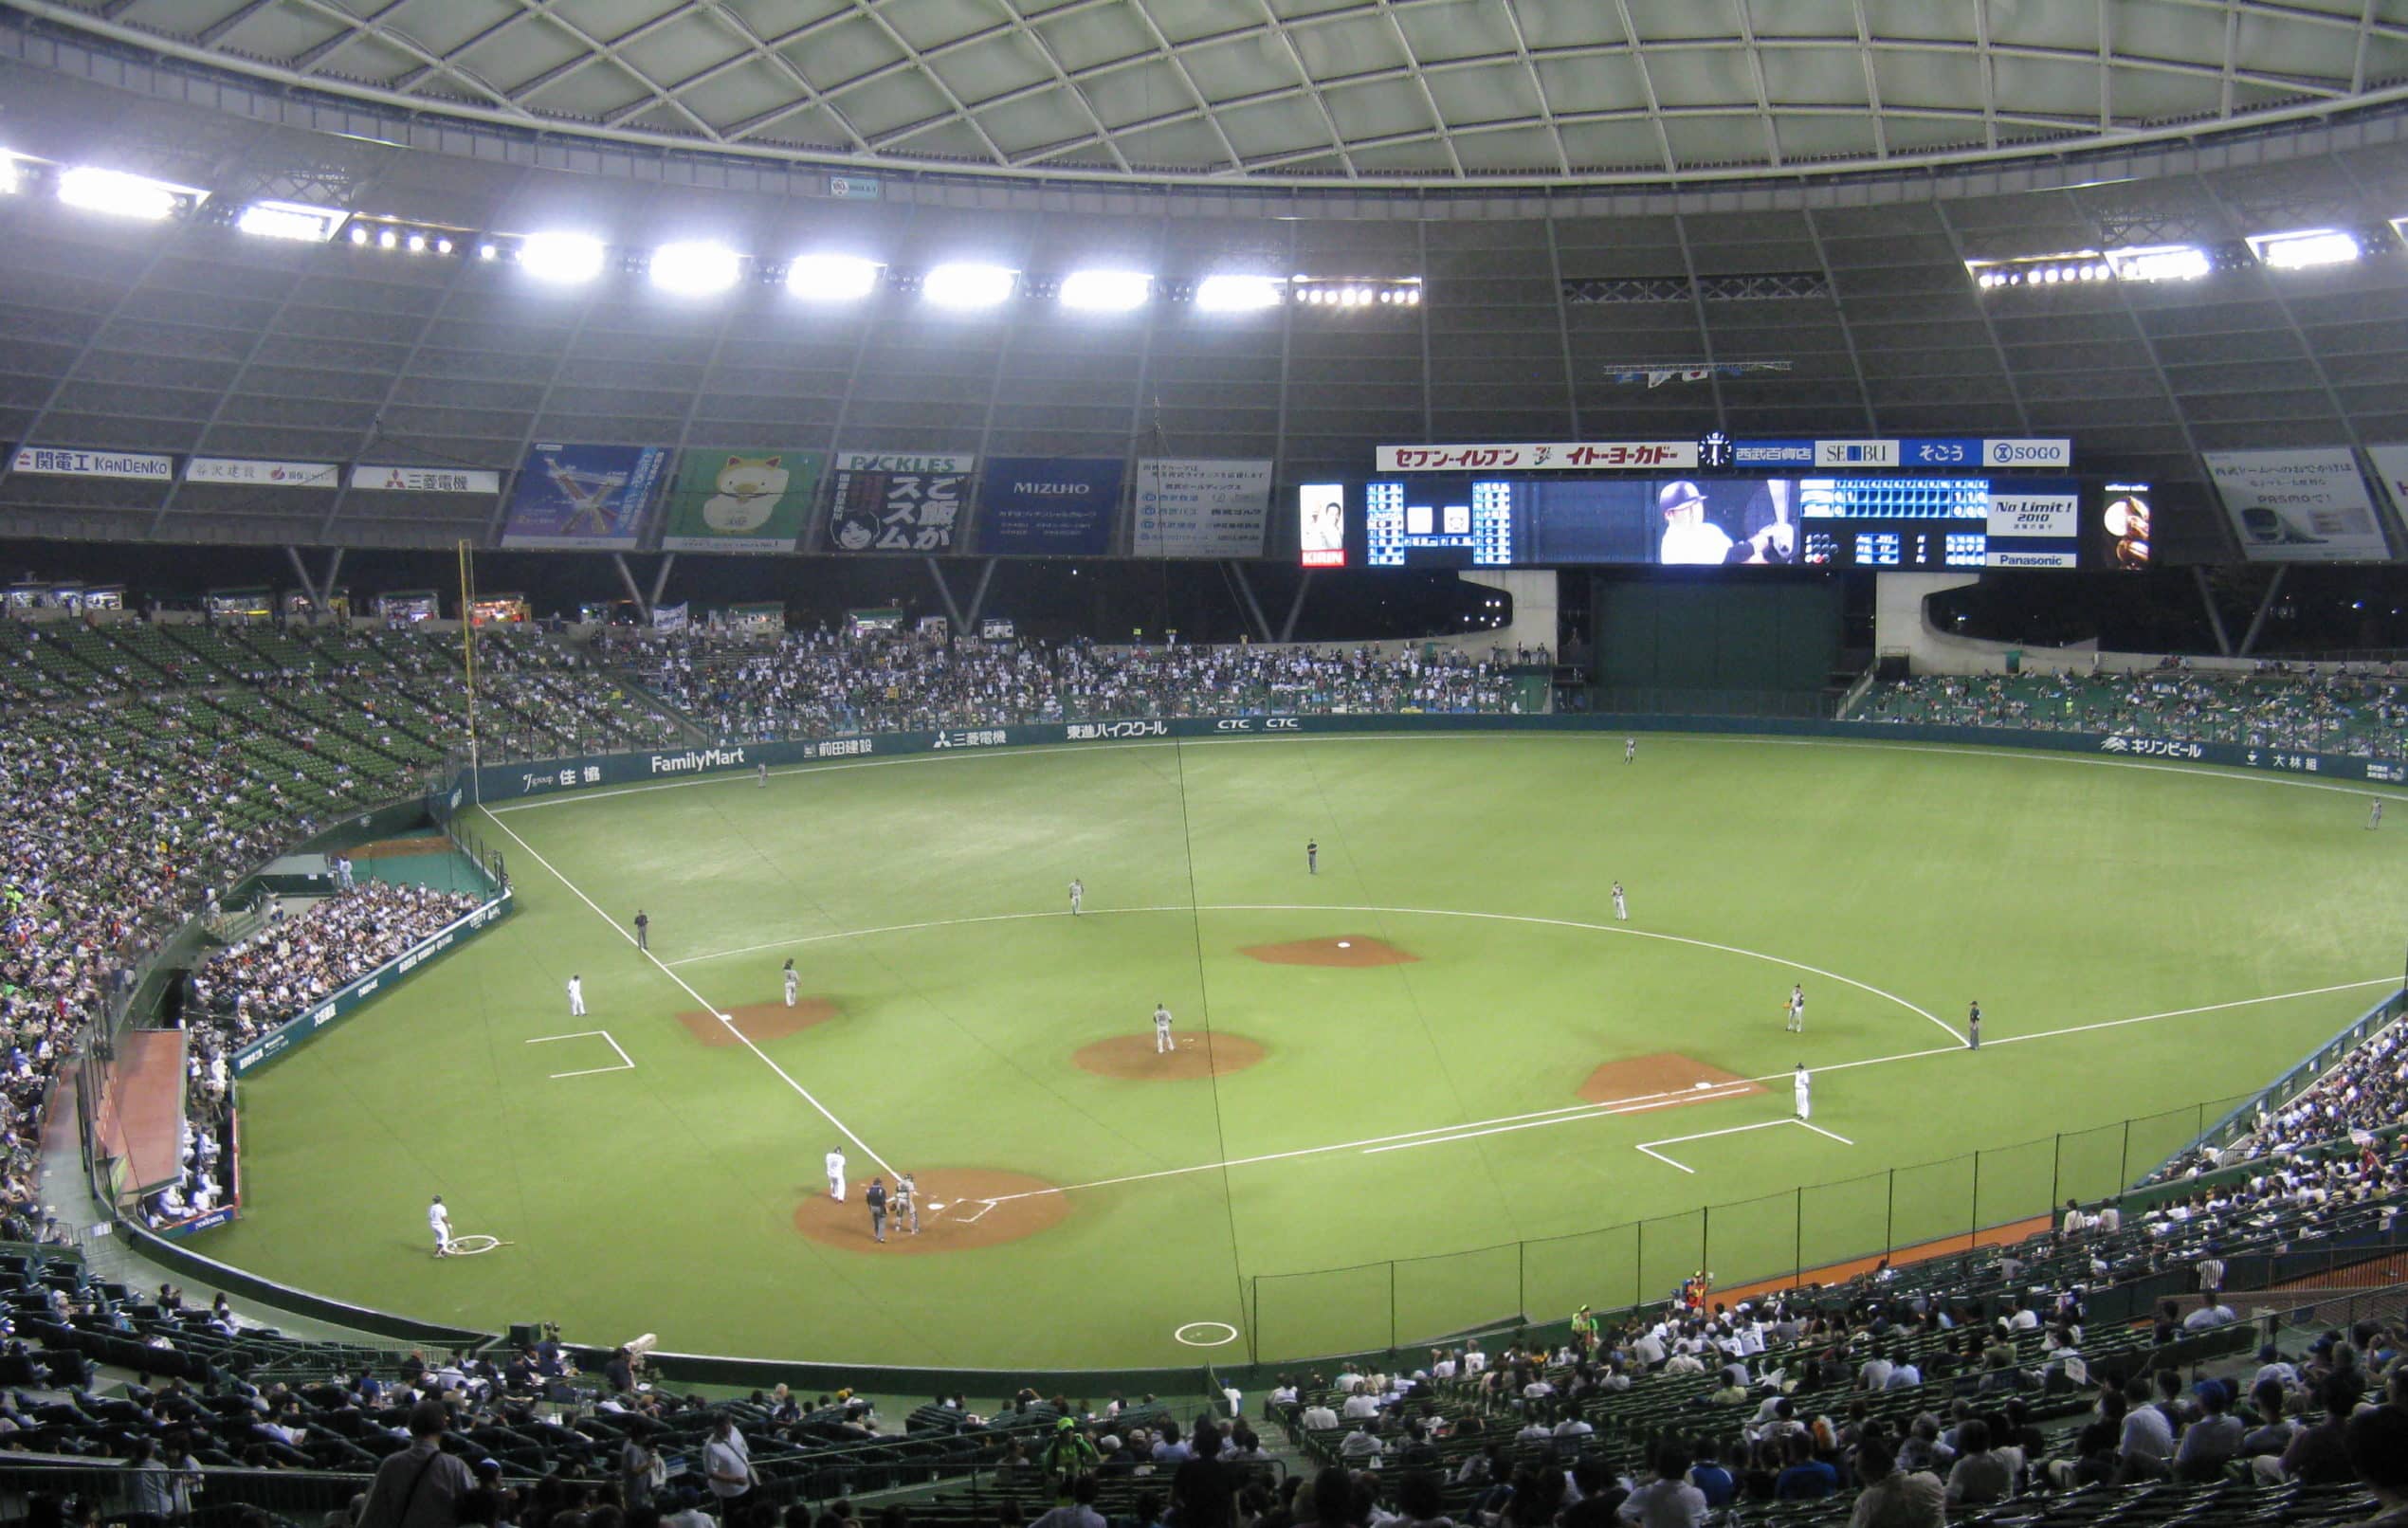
x,y
115,194
961,284
1105,291
388,239
695,268
289,220
565,258
1240,294
2303,247
831,277
2160,263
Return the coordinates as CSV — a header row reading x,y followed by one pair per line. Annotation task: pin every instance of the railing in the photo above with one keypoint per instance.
x,y
2305,1075
1828,1231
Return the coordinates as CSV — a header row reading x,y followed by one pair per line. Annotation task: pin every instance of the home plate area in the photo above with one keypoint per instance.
x,y
961,1209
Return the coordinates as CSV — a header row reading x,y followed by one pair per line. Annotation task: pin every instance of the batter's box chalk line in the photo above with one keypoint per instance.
x,y
626,1063
1648,1147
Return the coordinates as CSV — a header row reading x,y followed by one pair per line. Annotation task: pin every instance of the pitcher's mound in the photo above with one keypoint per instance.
x,y
1344,950
961,1209
1134,1056
1662,1081
760,1022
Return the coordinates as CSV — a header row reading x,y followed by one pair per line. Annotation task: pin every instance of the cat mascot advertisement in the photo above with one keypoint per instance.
x,y
742,500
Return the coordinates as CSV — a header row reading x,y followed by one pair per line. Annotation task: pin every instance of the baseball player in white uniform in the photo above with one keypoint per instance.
x,y
836,1172
439,1221
1077,894
1621,908
794,983
576,997
1163,1030
1798,1085
1797,1007
904,1204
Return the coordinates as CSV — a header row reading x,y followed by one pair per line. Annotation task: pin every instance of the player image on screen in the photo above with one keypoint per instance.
x,y
2126,523
1728,521
1320,524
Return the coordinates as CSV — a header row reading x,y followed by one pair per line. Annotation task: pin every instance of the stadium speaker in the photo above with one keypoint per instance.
x,y
1890,667
525,1334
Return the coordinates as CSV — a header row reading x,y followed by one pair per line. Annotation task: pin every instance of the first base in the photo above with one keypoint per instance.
x,y
727,1018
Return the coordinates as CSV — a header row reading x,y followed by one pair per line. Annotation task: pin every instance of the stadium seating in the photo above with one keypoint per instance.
x,y
2356,714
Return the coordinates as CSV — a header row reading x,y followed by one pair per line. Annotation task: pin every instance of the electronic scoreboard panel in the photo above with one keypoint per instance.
x,y
1895,520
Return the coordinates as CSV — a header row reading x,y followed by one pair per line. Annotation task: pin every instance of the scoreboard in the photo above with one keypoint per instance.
x,y
1895,519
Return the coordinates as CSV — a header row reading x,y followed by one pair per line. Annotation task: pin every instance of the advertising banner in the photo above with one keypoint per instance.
x,y
507,782
742,500
1547,456
393,479
582,496
263,474
898,500
2298,506
2034,523
58,461
1200,508
1048,506
671,617
2391,466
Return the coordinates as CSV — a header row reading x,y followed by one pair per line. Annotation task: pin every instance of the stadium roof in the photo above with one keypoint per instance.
x,y
1404,92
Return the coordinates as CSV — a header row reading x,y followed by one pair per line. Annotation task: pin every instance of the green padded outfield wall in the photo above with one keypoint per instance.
x,y
1736,632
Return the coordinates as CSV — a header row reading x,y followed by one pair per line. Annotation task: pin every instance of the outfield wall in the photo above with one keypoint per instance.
x,y
497,783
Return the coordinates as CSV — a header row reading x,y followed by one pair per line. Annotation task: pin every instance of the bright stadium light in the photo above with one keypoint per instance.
x,y
1240,294
560,257
2305,247
119,194
695,268
2160,263
965,286
289,220
1105,291
12,175
831,277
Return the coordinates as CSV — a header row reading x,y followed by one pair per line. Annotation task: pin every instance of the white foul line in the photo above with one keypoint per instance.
x,y
1725,1090
626,1063
708,1007
1648,1147
1585,1111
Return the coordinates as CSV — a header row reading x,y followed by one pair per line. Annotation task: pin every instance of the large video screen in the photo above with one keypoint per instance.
x,y
1900,522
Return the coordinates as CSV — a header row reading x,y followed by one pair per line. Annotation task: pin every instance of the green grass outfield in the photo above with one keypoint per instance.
x,y
924,896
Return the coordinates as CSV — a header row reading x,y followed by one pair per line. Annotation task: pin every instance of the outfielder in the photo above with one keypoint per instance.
x,y
1162,1043
1621,908
1798,1086
794,983
1312,856
836,1174
1630,749
2375,818
1797,1007
439,1221
1077,894
576,997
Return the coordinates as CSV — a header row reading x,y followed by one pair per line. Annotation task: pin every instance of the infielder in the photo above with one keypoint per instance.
x,y
1163,1030
836,1174
793,982
1312,857
905,1204
1621,908
1797,1007
1077,893
576,997
439,1221
1973,1027
1798,1085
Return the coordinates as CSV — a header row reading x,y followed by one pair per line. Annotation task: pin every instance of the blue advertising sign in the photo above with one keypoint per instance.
x,y
1048,506
582,496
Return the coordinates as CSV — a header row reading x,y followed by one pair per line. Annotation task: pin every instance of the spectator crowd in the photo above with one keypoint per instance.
x,y
2340,711
249,988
